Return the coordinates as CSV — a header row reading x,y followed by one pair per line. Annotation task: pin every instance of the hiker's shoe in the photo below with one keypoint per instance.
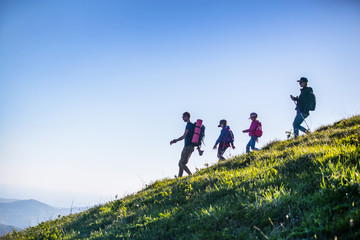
x,y
307,131
201,152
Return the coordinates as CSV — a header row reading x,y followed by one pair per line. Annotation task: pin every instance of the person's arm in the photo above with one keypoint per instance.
x,y
247,130
220,137
294,98
180,138
252,128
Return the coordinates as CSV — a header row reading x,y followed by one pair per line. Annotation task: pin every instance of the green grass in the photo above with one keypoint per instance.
x,y
308,188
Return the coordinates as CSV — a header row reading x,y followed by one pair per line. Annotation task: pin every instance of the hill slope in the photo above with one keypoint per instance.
x,y
307,188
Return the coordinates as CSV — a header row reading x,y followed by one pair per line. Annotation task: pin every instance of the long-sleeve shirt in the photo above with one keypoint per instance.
x,y
253,127
223,133
303,100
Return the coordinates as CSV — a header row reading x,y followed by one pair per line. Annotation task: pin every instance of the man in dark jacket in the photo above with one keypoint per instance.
x,y
302,109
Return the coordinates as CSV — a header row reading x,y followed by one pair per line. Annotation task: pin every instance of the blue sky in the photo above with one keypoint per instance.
x,y
91,92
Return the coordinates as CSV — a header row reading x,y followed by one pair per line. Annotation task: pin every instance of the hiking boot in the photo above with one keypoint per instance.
x,y
307,131
201,152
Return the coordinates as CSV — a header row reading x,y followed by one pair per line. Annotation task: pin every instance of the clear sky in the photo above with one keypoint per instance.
x,y
92,92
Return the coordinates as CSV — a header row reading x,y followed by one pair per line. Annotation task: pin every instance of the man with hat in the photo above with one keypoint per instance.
x,y
302,106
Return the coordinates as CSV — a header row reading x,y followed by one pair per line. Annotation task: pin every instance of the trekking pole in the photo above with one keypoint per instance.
x,y
301,115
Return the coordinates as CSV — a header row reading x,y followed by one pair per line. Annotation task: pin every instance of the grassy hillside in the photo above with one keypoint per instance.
x,y
307,188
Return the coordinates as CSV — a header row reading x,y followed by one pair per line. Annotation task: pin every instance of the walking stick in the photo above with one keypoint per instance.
x,y
301,115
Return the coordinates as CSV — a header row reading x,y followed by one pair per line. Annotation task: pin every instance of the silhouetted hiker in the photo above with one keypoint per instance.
x,y
225,139
255,131
188,148
305,102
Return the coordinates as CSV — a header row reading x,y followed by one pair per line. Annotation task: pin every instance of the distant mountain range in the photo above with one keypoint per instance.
x,y
4,229
6,200
19,214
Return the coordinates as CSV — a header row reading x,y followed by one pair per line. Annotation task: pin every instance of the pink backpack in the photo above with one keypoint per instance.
x,y
199,131
258,130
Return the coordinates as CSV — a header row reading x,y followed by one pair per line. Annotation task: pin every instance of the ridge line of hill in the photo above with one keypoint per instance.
x,y
305,188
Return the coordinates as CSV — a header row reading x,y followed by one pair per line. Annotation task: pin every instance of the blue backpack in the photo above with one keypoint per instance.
x,y
228,136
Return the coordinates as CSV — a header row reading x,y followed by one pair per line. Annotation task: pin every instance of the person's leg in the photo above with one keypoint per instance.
x,y
220,154
221,150
181,170
296,124
301,128
248,145
253,142
200,151
185,155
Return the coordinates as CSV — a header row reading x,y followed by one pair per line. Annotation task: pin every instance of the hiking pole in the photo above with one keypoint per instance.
x,y
301,115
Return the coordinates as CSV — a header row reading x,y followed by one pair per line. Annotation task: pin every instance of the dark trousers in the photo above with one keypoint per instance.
x,y
221,150
298,121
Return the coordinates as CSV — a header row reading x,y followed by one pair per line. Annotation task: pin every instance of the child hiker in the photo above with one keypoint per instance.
x,y
255,131
225,139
